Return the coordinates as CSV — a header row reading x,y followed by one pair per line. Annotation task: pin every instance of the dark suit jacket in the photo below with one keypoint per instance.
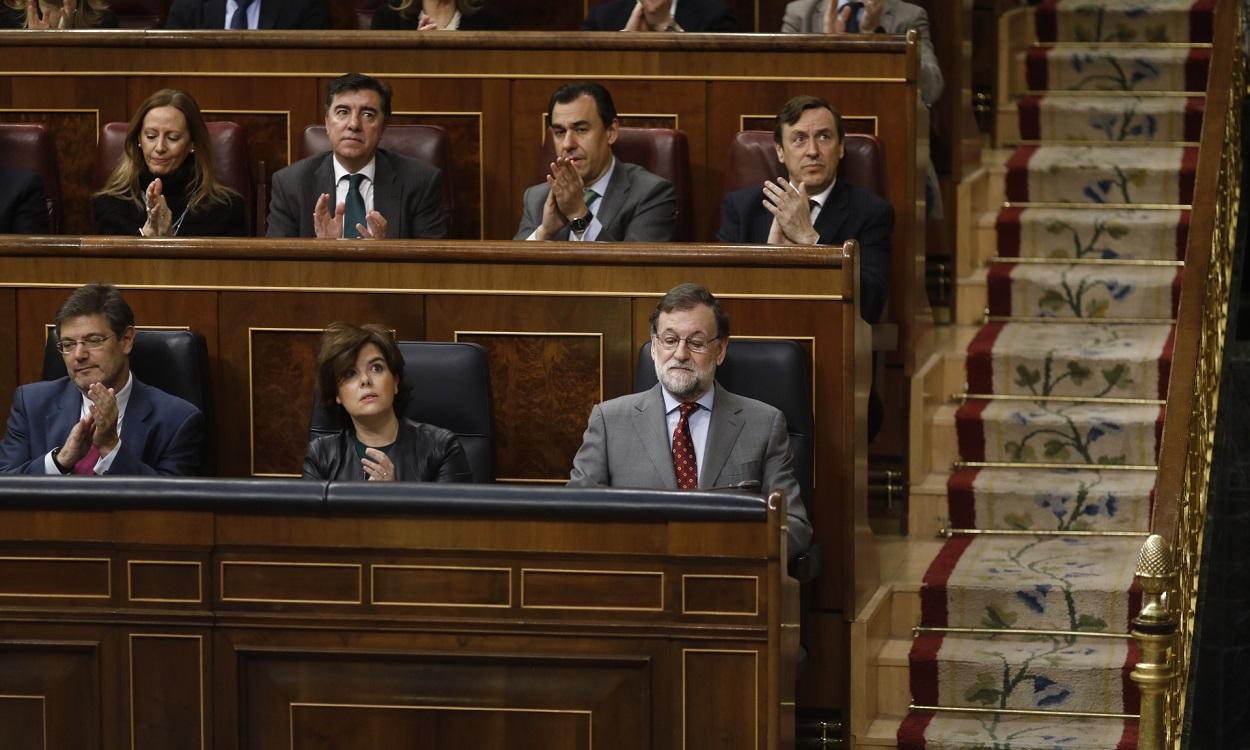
x,y
638,207
409,193
692,15
422,453
626,445
274,14
849,213
23,207
161,434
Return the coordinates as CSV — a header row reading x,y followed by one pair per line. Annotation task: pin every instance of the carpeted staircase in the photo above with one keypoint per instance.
x,y
1022,643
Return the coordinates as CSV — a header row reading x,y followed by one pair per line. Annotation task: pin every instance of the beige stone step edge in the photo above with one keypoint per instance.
x,y
881,639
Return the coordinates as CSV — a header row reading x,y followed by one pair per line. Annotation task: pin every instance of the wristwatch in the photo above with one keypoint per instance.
x,y
57,463
582,224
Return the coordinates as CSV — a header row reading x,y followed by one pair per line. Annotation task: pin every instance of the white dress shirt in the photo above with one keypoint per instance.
x,y
252,13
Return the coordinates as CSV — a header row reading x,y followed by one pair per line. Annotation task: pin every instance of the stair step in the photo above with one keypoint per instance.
x,y
1062,116
1059,432
1092,233
1050,499
1155,175
1175,21
1121,69
1119,292
923,730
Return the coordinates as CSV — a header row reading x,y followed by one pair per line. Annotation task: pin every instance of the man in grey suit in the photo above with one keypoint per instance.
x,y
589,195
376,193
870,17
688,432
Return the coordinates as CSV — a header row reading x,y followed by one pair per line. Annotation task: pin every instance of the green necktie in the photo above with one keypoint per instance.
x,y
589,196
354,213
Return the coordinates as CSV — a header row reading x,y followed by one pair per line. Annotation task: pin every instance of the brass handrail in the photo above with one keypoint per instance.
x,y
1193,393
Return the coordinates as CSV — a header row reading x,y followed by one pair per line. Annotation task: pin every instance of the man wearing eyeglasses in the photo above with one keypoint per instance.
x,y
688,432
99,419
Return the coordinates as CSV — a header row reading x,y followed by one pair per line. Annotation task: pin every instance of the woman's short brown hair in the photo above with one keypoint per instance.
x,y
340,344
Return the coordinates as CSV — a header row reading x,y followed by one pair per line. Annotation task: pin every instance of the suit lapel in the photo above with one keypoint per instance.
x,y
834,213
387,196
64,414
649,423
268,14
215,14
617,196
722,433
137,422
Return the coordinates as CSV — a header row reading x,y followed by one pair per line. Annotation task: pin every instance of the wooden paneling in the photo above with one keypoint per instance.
x,y
167,691
74,135
8,343
712,718
51,694
268,365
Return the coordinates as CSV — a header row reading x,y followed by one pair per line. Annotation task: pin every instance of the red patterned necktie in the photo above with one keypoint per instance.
x,y
684,463
86,464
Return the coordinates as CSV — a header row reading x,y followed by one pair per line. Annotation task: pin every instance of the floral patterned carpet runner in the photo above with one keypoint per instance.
x,y
1023,640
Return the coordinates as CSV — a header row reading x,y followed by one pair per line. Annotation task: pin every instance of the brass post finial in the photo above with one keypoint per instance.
x,y
1154,629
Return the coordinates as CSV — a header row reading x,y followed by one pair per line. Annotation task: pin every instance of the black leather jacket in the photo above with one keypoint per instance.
x,y
422,453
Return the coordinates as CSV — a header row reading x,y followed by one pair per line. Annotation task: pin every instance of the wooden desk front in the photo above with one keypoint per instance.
x,y
256,617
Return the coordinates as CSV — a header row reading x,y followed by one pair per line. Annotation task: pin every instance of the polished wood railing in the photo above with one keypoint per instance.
x,y
1193,390
258,614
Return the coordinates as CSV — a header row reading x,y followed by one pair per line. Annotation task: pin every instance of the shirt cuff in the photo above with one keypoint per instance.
x,y
49,466
102,466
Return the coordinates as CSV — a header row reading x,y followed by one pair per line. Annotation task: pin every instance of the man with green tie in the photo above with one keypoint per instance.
x,y
589,195
357,190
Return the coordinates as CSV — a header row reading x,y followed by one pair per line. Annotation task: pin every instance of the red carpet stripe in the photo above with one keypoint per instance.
x,y
1189,170
1134,605
961,499
933,612
1008,228
1158,441
970,429
1128,740
923,668
980,363
1194,109
1030,117
1046,22
1196,68
1176,290
1037,74
1182,235
911,732
998,288
1018,173
1201,21
1165,363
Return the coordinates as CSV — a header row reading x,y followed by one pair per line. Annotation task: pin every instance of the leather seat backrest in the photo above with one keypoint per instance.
x,y
449,384
365,10
175,361
29,146
773,371
139,14
426,143
230,159
753,159
661,151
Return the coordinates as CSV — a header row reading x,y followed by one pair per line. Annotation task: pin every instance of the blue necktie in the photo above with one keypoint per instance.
x,y
354,213
239,19
852,23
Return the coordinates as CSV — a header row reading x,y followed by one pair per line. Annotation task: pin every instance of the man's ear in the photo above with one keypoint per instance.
x,y
128,339
614,130
781,154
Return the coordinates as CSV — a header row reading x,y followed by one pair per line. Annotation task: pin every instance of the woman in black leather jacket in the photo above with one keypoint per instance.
x,y
360,373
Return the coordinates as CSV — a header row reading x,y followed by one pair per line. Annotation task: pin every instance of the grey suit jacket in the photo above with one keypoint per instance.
x,y
626,445
898,17
407,192
637,207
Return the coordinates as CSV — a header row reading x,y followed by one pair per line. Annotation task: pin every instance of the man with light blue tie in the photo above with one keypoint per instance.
x,y
357,190
589,194
247,14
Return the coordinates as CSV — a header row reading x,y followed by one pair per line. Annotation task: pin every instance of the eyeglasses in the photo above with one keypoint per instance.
x,y
67,346
669,342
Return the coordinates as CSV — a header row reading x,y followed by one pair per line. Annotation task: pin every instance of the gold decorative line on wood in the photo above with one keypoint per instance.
x,y
199,581
108,577
130,682
590,719
965,397
359,581
481,158
69,74
43,712
1100,206
415,290
1115,262
755,684
251,402
1031,465
374,600
568,571
1018,631
1021,712
755,608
